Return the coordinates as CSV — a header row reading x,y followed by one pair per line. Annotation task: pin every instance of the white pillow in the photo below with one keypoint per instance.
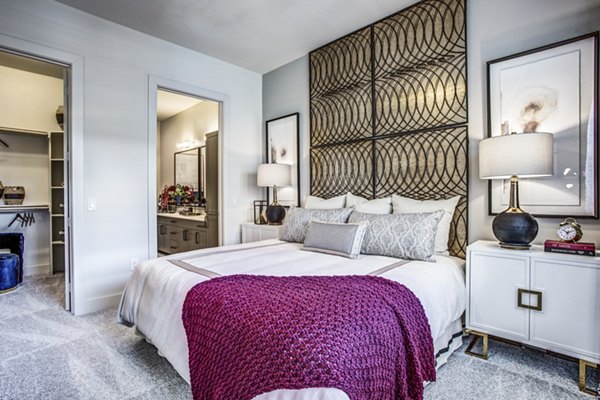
x,y
375,206
403,205
323,204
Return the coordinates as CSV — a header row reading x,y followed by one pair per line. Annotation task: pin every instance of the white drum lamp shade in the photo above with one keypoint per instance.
x,y
522,155
274,175
526,155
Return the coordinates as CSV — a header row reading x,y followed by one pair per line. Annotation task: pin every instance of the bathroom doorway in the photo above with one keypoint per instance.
x,y
187,172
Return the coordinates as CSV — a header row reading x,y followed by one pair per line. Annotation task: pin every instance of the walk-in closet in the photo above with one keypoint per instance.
x,y
34,174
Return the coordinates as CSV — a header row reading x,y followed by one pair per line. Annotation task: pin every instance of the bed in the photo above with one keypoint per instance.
x,y
153,299
385,120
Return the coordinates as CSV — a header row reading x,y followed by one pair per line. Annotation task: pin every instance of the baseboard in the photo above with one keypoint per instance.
x,y
42,269
100,303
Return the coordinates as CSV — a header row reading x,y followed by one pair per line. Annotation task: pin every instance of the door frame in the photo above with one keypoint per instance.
x,y
154,84
74,122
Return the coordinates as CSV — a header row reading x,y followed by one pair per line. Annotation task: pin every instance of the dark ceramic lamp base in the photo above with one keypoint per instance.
x,y
515,229
275,214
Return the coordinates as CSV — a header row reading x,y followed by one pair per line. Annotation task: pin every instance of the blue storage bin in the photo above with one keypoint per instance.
x,y
9,272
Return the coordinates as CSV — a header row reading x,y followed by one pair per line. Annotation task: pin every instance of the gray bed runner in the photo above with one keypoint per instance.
x,y
211,274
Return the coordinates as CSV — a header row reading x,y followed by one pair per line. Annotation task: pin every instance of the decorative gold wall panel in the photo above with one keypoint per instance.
x,y
389,110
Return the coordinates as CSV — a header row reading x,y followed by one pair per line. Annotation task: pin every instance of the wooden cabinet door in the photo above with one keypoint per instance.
x,y
162,239
173,239
186,239
569,320
494,280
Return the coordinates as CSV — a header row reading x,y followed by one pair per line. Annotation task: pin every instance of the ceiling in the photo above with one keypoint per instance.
x,y
259,35
170,103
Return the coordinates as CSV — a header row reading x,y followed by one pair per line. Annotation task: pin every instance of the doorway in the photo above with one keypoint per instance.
x,y
35,162
187,172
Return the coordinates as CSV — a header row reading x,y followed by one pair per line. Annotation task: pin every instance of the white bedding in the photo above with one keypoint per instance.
x,y
153,298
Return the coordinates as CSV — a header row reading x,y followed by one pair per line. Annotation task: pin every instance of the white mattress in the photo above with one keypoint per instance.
x,y
153,298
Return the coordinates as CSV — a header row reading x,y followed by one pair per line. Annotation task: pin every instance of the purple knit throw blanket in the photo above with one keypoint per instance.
x,y
248,335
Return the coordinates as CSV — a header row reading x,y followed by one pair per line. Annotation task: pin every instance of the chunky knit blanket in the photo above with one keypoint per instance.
x,y
248,335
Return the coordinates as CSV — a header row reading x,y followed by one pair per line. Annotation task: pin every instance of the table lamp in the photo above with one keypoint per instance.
x,y
274,175
514,156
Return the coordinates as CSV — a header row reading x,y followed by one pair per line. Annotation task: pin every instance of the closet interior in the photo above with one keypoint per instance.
x,y
34,163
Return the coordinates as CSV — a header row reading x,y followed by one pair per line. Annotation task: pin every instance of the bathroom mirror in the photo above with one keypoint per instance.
x,y
188,168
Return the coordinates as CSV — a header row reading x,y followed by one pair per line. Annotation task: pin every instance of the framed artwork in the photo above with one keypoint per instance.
x,y
550,89
283,147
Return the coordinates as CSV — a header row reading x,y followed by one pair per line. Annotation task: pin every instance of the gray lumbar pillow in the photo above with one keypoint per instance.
x,y
407,236
335,238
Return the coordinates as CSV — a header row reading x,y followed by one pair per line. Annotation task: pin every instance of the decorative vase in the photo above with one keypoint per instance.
x,y
178,200
60,116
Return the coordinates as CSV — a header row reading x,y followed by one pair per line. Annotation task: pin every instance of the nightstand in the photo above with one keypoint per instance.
x,y
545,300
252,232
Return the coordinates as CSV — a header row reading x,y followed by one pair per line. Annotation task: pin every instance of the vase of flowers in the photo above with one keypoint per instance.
x,y
175,195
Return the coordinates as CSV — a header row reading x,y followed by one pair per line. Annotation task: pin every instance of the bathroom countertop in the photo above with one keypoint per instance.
x,y
197,218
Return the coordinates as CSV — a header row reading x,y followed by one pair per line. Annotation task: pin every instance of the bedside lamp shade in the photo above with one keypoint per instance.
x,y
524,155
274,175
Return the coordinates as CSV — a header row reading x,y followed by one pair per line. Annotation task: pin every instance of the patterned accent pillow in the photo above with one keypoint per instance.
x,y
407,236
334,238
297,220
404,205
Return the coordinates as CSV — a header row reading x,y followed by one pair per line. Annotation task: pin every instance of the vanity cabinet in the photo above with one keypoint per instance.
x,y
176,235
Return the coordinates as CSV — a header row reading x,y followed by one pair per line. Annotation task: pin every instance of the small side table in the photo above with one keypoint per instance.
x,y
252,232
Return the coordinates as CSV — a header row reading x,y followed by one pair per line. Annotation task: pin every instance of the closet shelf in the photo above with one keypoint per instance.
x,y
57,159
57,187
19,130
58,215
22,208
58,242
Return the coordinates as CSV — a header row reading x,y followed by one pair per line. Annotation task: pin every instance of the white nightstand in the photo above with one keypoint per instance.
x,y
546,300
252,232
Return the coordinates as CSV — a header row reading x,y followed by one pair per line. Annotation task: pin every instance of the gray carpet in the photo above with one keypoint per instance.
x,y
46,353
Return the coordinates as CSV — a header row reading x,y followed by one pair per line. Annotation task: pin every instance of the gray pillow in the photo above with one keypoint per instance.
x,y
335,238
407,236
295,224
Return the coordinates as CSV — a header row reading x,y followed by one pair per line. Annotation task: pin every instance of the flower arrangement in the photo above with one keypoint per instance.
x,y
176,194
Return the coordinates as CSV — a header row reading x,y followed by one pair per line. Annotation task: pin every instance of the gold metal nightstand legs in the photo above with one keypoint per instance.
x,y
583,365
476,336
582,377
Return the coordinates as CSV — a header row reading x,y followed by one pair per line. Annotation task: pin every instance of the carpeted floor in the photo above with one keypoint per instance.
x,y
46,353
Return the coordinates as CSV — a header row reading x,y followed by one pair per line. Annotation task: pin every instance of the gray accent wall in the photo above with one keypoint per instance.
x,y
285,91
494,29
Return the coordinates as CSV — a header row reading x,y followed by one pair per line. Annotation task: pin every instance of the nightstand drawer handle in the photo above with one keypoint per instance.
x,y
537,307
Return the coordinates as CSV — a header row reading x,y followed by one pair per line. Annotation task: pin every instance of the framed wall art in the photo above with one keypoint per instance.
x,y
283,147
550,89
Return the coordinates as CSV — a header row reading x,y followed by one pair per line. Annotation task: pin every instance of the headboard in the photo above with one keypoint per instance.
x,y
388,108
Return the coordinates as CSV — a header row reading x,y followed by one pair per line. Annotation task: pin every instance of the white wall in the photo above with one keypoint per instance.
x,y
494,29
189,125
28,101
112,164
